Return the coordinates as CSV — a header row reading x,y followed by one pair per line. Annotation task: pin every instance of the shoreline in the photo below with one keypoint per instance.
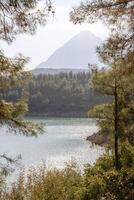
x,y
98,139
59,115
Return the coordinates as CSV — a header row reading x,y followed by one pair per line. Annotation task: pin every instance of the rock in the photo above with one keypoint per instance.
x,y
98,139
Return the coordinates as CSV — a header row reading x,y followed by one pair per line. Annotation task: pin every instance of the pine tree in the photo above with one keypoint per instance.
x,y
17,17
117,53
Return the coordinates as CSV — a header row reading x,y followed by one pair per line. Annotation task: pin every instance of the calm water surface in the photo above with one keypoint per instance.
x,y
64,140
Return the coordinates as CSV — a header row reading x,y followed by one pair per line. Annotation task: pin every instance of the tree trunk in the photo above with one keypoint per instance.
x,y
116,128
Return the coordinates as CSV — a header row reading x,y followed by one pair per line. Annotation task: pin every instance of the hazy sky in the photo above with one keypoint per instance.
x,y
50,37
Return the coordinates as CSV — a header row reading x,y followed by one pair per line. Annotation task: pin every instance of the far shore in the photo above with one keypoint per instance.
x,y
68,114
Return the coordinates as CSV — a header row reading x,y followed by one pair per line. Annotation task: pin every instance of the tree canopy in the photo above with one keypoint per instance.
x,y
117,53
63,94
18,17
116,13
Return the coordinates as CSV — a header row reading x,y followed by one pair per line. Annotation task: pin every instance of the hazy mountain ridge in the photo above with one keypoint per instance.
x,y
51,71
75,54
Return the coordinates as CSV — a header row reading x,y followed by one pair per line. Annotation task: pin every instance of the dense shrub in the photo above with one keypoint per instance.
x,y
98,182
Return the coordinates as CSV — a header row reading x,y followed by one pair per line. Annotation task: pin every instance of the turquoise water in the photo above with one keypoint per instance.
x,y
64,140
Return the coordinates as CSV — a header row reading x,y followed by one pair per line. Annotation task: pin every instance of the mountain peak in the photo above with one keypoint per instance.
x,y
76,53
85,33
85,36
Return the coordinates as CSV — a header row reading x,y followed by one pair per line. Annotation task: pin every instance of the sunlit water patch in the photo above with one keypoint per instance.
x,y
64,140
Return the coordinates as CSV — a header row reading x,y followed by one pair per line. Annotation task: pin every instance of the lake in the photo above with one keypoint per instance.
x,y
64,140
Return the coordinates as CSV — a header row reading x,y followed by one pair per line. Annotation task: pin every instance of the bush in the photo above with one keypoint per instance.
x,y
98,182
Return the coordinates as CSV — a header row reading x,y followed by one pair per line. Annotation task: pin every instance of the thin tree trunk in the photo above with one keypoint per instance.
x,y
116,129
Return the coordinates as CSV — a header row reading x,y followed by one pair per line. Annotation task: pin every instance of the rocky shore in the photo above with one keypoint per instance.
x,y
98,139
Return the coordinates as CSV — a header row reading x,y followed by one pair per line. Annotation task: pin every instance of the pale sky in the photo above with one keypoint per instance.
x,y
52,36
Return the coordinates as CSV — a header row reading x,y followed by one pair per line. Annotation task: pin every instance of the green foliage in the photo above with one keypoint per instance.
x,y
60,94
11,113
97,182
113,82
18,17
51,184
63,94
104,182
117,53
111,12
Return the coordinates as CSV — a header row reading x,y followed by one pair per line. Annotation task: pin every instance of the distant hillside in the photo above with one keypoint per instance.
x,y
56,71
60,95
75,54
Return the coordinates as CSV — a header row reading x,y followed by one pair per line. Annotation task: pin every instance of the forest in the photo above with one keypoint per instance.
x,y
63,94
